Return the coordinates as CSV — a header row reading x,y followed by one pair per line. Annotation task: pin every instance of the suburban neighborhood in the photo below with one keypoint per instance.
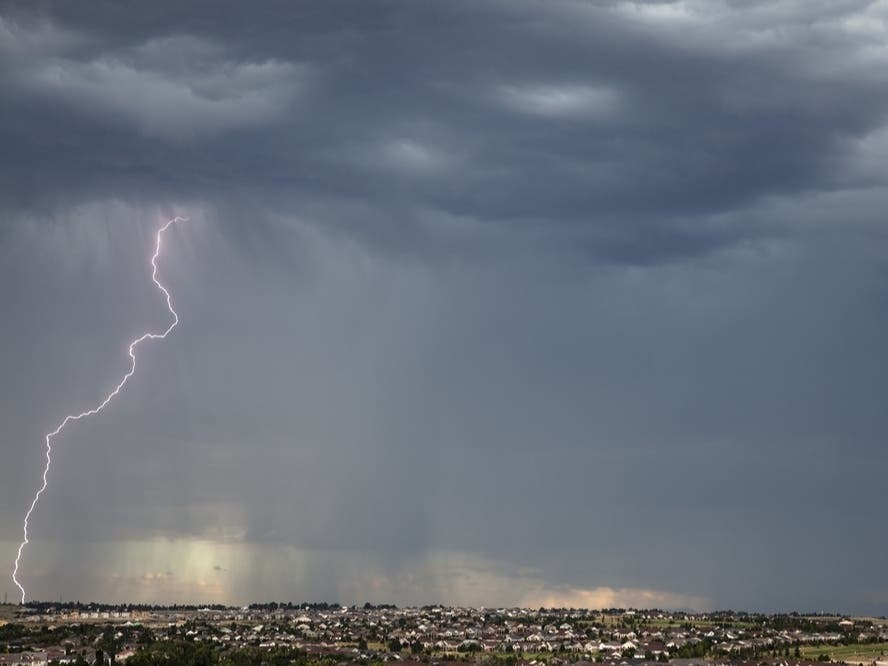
x,y
44,634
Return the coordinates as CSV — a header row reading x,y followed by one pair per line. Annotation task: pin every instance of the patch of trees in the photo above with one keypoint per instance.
x,y
41,607
13,632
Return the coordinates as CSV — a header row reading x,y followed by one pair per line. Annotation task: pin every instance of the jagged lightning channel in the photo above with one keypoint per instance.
x,y
95,410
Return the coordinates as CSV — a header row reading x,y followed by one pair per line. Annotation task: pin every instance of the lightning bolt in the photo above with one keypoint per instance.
x,y
98,408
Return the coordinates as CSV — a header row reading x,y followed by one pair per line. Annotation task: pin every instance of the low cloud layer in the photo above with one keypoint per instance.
x,y
568,304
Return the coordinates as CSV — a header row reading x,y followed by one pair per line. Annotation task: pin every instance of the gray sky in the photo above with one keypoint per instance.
x,y
481,302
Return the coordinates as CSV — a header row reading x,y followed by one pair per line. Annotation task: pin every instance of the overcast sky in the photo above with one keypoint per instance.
x,y
499,302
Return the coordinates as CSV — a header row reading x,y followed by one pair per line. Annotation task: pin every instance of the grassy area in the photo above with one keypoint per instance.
x,y
856,653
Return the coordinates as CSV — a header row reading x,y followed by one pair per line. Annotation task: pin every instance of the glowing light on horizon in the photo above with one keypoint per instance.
x,y
98,408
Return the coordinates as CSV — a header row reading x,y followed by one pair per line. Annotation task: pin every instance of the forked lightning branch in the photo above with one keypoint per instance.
x,y
70,418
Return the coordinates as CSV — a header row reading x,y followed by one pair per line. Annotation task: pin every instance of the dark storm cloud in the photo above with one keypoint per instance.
x,y
501,302
592,115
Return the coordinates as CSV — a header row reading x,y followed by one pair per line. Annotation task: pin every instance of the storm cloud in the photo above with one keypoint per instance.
x,y
491,303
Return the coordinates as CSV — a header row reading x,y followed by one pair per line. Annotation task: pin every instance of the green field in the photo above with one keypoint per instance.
x,y
857,653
